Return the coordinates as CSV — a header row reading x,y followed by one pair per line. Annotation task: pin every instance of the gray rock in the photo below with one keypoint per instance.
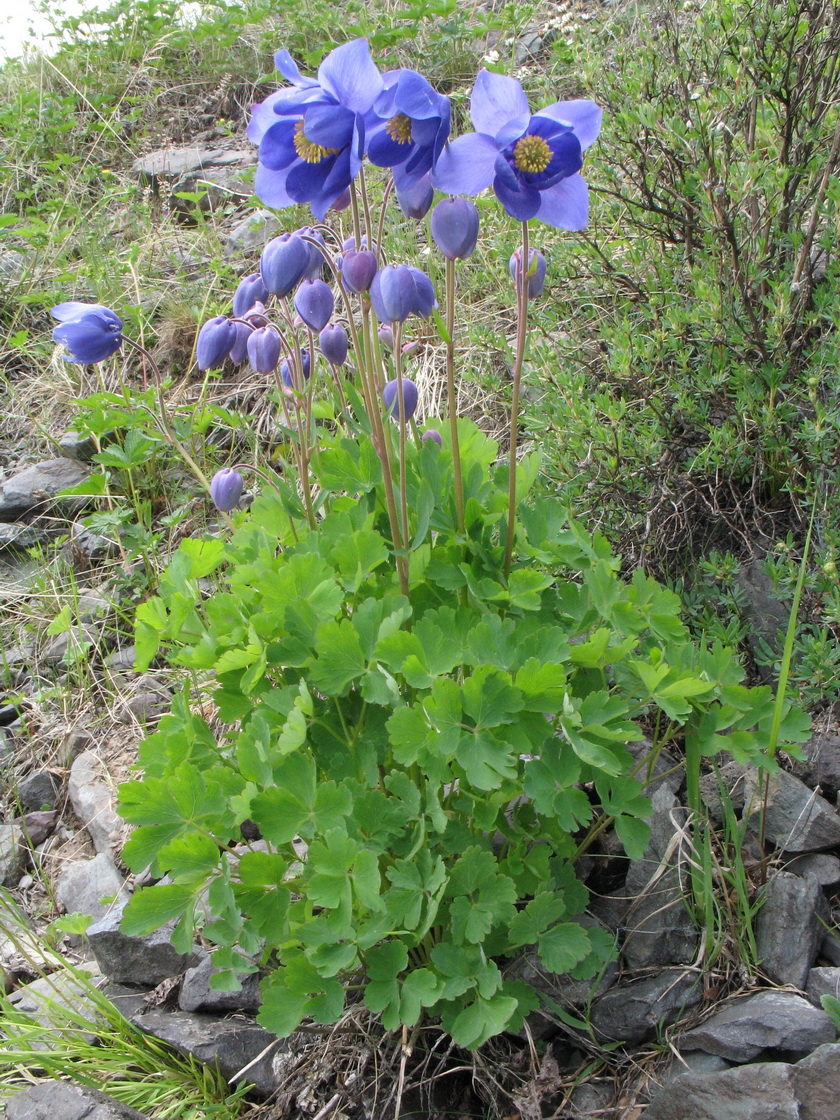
x,y
77,446
20,537
215,185
823,868
13,853
766,616
36,487
692,1061
58,1002
72,641
796,819
173,163
830,948
84,548
252,232
822,763
39,791
196,993
788,930
64,1100
764,1091
231,1043
93,802
90,886
143,707
770,1020
528,46
732,776
632,1012
141,961
122,658
823,981
659,770
659,928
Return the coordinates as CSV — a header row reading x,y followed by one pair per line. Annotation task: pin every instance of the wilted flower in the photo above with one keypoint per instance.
x,y
416,198
536,271
314,302
249,291
433,435
311,137
531,161
286,375
390,395
401,290
284,262
414,130
334,344
215,340
455,227
90,331
358,270
264,348
226,489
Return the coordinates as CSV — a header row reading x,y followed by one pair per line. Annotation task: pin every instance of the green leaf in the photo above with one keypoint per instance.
x,y
563,946
152,907
481,1020
530,923
634,834
297,990
340,659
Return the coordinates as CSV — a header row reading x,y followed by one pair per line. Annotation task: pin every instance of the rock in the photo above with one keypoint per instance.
x,y
39,791
38,826
13,265
143,707
13,853
77,446
17,536
93,802
692,1061
90,886
770,1020
172,163
823,868
93,605
74,743
732,776
75,641
141,961
822,763
58,1002
122,658
528,46
764,1091
788,930
823,982
84,548
252,232
231,1043
796,819
661,770
830,948
36,487
632,1012
659,928
65,1100
196,993
765,615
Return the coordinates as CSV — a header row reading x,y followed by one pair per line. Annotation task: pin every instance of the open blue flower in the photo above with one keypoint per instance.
x,y
312,137
90,331
532,162
413,128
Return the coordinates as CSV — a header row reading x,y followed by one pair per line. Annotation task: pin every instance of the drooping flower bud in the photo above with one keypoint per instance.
x,y
536,271
316,257
284,263
226,489
239,350
286,375
390,396
398,291
416,199
257,316
90,331
314,302
386,337
264,348
434,435
455,227
251,290
214,343
334,344
358,270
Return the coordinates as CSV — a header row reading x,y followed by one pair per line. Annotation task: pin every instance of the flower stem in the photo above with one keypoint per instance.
x,y
450,388
398,368
521,335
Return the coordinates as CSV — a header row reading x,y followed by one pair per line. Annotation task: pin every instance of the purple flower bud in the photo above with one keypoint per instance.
x,y
286,375
536,271
90,331
264,348
250,291
239,350
398,291
334,344
409,349
386,337
455,227
284,263
409,395
433,435
256,315
215,340
349,243
358,270
314,303
226,489
316,257
416,199
343,200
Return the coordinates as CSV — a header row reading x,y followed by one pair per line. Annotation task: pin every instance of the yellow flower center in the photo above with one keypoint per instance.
x,y
399,128
532,154
308,151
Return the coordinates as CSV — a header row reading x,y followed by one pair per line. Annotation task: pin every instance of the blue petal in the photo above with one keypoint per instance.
x,y
289,69
74,309
510,132
331,126
565,160
424,131
263,115
521,204
385,151
583,116
270,187
349,74
277,147
566,204
496,99
305,181
416,98
466,165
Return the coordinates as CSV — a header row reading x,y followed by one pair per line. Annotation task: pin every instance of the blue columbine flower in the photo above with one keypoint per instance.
x,y
312,137
334,344
226,489
215,341
413,127
531,161
90,331
401,290
315,303
391,397
455,227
